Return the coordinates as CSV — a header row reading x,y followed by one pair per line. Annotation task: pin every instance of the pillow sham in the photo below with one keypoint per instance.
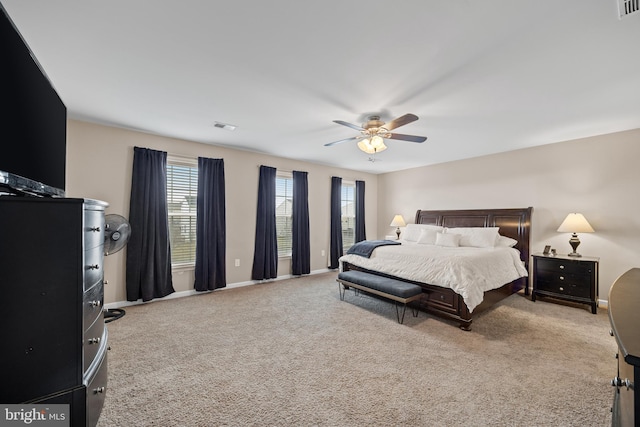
x,y
411,232
479,237
448,239
427,236
505,242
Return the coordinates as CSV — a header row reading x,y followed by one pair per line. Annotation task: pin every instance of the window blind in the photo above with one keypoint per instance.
x,y
348,205
284,208
182,191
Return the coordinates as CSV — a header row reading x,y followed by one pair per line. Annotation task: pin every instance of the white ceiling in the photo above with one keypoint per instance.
x,y
483,76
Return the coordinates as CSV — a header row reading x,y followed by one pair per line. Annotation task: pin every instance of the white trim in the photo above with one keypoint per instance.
x,y
177,159
192,292
284,174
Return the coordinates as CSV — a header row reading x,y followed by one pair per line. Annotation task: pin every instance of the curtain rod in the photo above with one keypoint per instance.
x,y
281,170
288,171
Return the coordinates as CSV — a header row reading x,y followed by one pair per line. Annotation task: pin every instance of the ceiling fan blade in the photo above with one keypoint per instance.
x,y
411,138
342,140
352,126
401,121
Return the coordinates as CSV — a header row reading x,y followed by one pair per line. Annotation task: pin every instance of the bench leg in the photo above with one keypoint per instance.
x,y
342,289
415,311
404,308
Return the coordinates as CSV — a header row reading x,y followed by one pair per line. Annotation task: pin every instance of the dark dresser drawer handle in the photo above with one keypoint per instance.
x,y
98,390
562,267
94,229
94,267
561,277
94,303
93,340
561,288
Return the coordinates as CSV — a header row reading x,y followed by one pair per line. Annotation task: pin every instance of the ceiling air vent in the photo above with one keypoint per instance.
x,y
227,126
628,7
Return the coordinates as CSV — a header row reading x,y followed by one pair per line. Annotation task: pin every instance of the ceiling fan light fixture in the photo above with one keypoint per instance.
x,y
373,145
375,131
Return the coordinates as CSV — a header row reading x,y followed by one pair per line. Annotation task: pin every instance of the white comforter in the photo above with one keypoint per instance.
x,y
468,271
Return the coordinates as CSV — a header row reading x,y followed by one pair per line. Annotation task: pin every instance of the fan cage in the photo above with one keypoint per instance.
x,y
628,7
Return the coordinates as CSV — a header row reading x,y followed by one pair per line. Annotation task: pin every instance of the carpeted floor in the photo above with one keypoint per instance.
x,y
290,353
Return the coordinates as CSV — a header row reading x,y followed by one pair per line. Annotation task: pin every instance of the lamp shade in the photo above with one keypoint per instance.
x,y
373,145
575,223
398,221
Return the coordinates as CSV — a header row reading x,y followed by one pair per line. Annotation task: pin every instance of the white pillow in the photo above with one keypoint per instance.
x,y
448,239
411,232
505,242
427,236
479,237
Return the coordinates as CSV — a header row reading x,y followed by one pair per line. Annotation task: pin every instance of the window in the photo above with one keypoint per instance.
x,y
182,193
284,208
348,204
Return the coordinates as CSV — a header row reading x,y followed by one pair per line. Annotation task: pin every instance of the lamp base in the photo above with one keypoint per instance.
x,y
574,242
398,233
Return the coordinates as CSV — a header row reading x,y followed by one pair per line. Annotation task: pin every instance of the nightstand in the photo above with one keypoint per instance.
x,y
569,278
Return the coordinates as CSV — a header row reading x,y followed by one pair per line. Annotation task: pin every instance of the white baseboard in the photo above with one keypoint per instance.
x,y
120,304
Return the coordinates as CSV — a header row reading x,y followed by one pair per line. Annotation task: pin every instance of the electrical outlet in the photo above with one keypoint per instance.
x,y
322,253
237,262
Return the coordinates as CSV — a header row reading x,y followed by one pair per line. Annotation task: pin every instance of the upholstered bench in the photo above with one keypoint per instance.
x,y
396,290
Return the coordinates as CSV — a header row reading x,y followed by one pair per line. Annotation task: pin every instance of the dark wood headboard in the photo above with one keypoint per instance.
x,y
514,223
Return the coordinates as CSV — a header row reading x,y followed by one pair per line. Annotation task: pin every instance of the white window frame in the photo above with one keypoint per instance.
x,y
348,214
189,211
284,222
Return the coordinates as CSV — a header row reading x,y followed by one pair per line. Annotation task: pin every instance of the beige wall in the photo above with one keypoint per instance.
x,y
99,163
596,176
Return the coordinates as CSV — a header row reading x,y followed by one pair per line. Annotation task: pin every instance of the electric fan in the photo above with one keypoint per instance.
x,y
116,235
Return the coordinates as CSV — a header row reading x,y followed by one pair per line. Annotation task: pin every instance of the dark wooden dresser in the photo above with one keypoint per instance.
x,y
569,278
624,315
54,340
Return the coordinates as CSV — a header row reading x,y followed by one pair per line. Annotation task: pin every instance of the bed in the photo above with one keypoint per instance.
x,y
443,300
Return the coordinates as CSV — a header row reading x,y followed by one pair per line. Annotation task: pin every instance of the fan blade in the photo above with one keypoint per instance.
x,y
411,138
342,140
400,121
352,126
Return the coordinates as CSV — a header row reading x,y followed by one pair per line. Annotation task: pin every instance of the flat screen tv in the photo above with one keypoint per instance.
x,y
33,121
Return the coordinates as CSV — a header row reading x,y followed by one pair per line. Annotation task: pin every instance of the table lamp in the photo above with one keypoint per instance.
x,y
398,222
575,223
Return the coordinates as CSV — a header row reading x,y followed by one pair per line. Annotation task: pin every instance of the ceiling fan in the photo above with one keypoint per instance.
x,y
374,131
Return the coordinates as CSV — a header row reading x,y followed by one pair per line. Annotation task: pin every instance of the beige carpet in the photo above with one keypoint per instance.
x,y
290,353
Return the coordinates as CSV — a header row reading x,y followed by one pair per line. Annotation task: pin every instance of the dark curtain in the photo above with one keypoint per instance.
x,y
300,249
361,234
148,273
265,254
335,251
210,271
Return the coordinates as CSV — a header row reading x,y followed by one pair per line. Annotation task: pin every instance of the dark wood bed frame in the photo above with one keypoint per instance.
x,y
514,223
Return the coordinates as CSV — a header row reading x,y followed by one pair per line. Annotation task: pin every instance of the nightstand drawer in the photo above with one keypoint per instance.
x,y
565,266
568,285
